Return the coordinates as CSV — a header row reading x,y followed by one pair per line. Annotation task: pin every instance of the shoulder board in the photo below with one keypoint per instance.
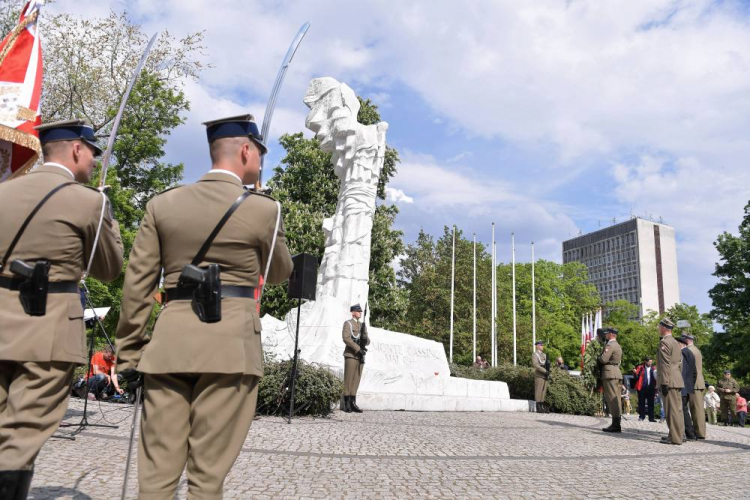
x,y
169,189
89,187
259,193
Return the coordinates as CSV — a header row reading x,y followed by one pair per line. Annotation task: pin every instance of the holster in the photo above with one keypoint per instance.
x,y
34,287
206,284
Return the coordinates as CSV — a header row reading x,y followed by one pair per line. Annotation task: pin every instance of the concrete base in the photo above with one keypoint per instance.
x,y
417,402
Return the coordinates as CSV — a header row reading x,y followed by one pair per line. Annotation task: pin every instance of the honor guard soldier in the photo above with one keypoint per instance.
x,y
541,376
610,359
211,240
47,233
356,339
669,378
728,389
697,410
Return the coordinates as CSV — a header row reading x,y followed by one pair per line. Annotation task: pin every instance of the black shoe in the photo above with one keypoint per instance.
x,y
663,441
615,427
24,484
9,483
347,408
353,404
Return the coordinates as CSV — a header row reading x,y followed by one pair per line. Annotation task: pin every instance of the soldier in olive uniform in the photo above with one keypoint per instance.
x,y
669,378
200,377
728,389
38,353
610,359
541,376
355,335
696,403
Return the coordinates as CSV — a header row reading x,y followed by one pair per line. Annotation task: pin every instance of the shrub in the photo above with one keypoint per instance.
x,y
315,392
565,394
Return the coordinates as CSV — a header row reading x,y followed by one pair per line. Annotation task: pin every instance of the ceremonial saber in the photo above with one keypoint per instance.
x,y
275,92
116,126
138,393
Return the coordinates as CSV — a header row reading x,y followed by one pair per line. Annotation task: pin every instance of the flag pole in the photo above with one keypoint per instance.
x,y
533,300
474,339
453,280
493,340
513,246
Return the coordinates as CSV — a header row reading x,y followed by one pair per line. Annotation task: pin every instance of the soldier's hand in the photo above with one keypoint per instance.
x,y
133,377
363,350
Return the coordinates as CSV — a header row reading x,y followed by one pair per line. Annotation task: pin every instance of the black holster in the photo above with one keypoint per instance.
x,y
34,287
206,284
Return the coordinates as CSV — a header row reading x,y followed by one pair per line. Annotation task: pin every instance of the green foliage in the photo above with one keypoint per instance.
x,y
731,301
591,374
308,190
316,390
565,394
562,293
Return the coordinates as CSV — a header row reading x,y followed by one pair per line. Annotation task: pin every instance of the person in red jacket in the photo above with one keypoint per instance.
x,y
741,410
645,376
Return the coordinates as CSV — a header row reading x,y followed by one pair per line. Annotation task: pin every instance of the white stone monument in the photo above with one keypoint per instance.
x,y
402,372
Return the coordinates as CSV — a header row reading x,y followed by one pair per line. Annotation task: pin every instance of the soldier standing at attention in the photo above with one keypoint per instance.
x,y
610,359
202,364
42,337
356,339
669,378
689,376
697,410
541,375
727,389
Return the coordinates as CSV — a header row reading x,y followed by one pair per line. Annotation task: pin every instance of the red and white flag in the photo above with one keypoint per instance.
x,y
20,93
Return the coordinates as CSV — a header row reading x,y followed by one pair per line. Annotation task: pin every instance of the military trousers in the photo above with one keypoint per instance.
x,y
33,401
698,413
612,396
352,375
728,409
198,420
672,400
540,389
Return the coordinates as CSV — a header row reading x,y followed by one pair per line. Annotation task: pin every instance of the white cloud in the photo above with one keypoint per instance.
x,y
397,195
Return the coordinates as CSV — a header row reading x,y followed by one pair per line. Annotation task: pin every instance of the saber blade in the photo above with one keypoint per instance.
x,y
123,102
268,116
138,393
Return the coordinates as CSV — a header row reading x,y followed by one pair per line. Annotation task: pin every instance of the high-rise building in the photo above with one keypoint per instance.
x,y
635,260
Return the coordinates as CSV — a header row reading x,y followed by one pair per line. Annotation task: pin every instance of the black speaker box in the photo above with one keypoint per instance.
x,y
304,278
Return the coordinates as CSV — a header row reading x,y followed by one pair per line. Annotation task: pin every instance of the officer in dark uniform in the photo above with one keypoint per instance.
x,y
356,339
689,376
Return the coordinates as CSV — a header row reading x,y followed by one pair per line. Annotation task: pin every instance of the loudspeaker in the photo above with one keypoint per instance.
x,y
304,278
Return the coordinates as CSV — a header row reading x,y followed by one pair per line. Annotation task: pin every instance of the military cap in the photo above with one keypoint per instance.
x,y
355,308
235,126
727,372
539,342
687,336
681,339
611,330
666,323
68,130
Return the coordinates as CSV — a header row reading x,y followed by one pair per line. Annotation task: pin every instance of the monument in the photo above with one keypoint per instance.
x,y
403,372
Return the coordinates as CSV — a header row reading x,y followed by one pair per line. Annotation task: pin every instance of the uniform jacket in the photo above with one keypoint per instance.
x,y
670,363
730,384
63,233
352,326
700,383
538,360
176,224
689,373
610,359
640,374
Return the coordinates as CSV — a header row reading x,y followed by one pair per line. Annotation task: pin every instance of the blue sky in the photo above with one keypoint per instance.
x,y
546,117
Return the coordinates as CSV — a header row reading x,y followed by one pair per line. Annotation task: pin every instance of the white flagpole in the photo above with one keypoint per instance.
x,y
494,297
475,299
533,300
513,245
453,276
494,328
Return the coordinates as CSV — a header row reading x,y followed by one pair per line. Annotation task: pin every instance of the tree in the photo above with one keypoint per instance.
x,y
308,190
731,300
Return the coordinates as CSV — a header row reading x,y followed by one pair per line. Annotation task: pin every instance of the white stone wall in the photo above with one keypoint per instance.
x,y
647,266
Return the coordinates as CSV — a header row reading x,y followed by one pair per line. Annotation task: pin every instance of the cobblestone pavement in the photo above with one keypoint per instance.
x,y
422,455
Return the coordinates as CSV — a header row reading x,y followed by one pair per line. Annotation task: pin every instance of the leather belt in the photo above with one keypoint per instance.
x,y
186,293
12,284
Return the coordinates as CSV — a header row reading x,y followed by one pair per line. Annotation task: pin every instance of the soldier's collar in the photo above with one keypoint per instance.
x,y
221,176
56,168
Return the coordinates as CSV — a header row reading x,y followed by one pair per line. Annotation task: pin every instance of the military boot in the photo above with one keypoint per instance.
x,y
353,404
347,406
24,484
615,426
9,483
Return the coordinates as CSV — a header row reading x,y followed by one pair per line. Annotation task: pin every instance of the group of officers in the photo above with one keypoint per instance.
x,y
679,378
199,251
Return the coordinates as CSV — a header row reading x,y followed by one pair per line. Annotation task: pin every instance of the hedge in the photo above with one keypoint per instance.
x,y
316,390
565,394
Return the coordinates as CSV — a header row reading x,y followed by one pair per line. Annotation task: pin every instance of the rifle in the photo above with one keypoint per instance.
x,y
362,341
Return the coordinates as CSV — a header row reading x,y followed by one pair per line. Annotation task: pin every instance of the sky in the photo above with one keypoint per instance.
x,y
548,118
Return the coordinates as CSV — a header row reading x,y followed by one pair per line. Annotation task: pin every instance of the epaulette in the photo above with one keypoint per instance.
x,y
169,189
265,194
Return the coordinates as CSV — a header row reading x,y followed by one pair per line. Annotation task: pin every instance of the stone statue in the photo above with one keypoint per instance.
x,y
358,152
